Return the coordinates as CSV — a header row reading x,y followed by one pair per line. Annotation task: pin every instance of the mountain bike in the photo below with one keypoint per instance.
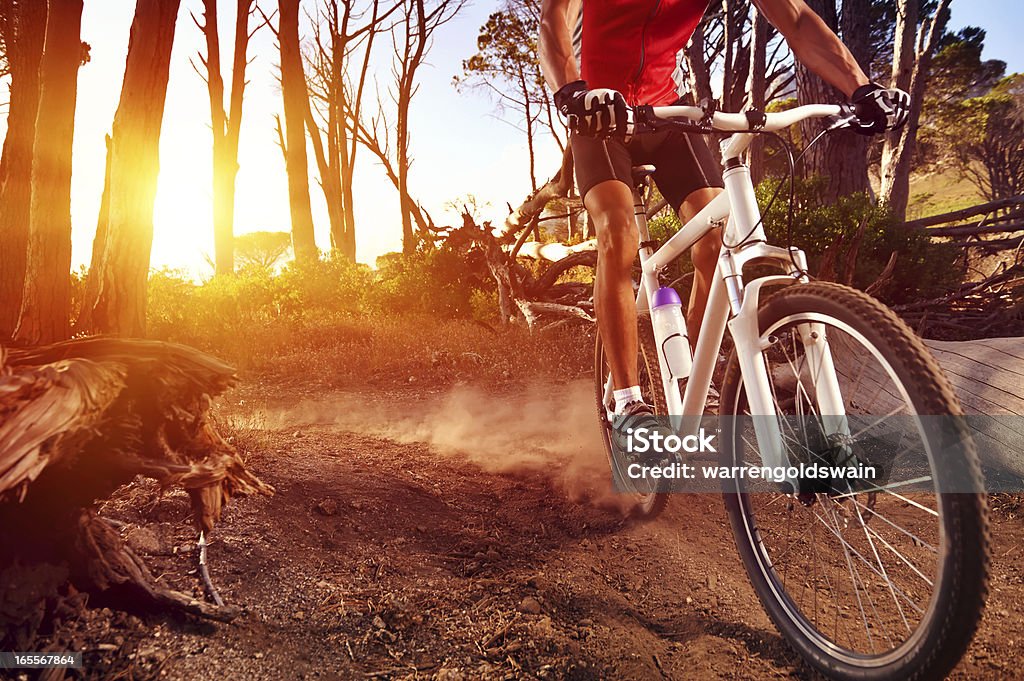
x,y
866,581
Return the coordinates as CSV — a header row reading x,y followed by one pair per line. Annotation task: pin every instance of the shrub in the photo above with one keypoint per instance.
x,y
435,280
923,269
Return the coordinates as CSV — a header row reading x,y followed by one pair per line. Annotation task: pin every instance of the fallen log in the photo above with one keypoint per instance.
x,y
79,419
986,375
964,213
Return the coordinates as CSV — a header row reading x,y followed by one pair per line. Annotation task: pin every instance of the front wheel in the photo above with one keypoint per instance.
x,y
877,580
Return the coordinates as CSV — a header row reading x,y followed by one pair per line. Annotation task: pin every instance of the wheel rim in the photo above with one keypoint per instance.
x,y
887,555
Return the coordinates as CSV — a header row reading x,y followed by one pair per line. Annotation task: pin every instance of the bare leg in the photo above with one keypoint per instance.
x,y
705,259
610,204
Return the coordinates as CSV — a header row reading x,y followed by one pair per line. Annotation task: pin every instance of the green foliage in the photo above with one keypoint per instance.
x,y
989,146
238,313
830,233
507,45
437,280
506,61
507,67
958,70
484,305
923,269
256,312
957,74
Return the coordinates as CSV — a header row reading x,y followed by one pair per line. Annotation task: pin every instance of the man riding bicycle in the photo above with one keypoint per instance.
x,y
627,52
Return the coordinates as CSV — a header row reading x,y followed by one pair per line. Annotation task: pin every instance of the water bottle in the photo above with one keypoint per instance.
x,y
670,332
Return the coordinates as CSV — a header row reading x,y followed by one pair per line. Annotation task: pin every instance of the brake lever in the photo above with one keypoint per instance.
x,y
846,119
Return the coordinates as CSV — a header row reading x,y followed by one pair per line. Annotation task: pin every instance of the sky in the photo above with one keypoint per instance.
x,y
459,145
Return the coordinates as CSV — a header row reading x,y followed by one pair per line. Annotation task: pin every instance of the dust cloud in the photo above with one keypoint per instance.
x,y
546,429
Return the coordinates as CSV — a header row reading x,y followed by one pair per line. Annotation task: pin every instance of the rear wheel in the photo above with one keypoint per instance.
x,y
649,501
872,581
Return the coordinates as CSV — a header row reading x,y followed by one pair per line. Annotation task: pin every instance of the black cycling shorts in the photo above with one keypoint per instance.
x,y
684,162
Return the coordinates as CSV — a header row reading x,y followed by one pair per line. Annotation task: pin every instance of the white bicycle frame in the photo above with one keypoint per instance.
x,y
731,301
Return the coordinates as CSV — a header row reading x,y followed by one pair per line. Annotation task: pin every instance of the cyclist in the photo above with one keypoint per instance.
x,y
627,54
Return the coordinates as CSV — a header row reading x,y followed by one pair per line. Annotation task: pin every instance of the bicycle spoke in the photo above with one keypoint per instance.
x,y
881,567
860,432
906,561
912,536
853,578
888,490
848,547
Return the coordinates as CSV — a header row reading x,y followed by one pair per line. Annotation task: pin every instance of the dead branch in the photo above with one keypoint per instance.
x,y
1011,274
548,278
555,188
531,310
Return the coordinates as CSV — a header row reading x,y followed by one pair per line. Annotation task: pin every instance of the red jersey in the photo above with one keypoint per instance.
x,y
633,46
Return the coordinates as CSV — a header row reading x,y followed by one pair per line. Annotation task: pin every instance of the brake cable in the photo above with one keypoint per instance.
x,y
790,215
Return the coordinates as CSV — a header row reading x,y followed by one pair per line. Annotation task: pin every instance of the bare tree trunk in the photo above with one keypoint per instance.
x,y
293,90
729,43
756,85
413,49
223,231
737,54
46,301
326,83
697,70
405,200
904,57
99,244
412,56
226,125
347,237
840,159
419,26
24,53
239,62
411,42
118,301
340,51
329,183
530,121
912,58
348,244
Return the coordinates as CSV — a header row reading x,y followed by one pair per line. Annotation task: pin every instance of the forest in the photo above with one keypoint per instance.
x,y
290,461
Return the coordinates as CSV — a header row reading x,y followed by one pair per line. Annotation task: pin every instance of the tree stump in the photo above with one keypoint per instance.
x,y
78,419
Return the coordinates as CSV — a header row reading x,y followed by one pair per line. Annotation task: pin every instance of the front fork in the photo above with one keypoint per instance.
x,y
744,301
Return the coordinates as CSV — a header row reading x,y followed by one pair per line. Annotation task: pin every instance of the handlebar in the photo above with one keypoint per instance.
x,y
648,117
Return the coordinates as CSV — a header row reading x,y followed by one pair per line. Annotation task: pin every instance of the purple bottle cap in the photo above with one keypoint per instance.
x,y
666,295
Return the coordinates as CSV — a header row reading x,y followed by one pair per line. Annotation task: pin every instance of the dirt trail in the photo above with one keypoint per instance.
x,y
466,535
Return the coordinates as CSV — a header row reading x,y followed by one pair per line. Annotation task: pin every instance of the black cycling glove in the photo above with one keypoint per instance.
x,y
595,113
879,109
